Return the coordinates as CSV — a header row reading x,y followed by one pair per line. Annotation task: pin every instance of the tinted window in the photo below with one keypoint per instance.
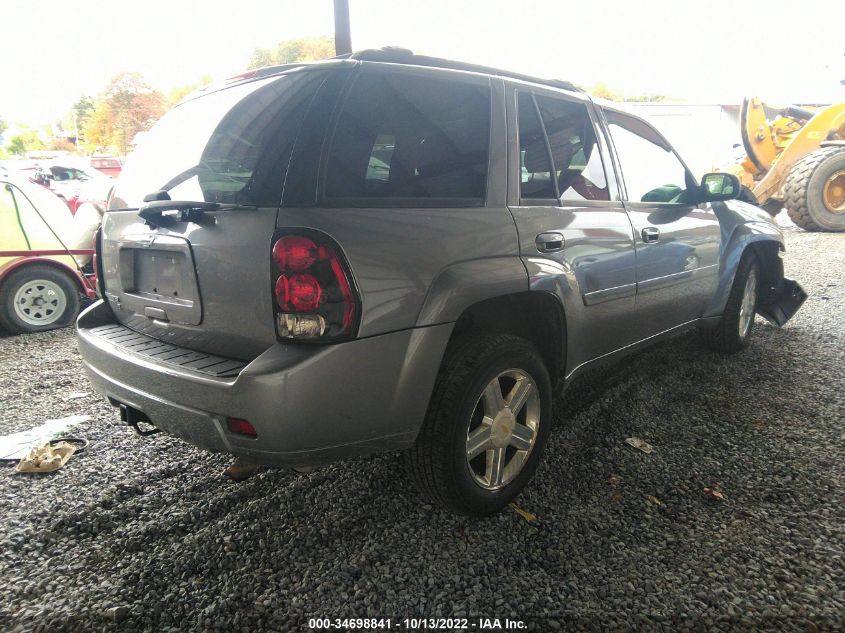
x,y
651,171
410,137
230,146
577,161
535,167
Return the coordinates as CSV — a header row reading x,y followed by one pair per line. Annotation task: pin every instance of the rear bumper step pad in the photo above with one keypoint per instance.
x,y
121,336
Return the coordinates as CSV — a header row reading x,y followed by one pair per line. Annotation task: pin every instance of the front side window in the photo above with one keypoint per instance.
x,y
575,153
651,170
405,139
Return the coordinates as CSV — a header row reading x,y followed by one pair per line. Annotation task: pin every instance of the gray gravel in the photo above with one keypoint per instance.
x,y
148,535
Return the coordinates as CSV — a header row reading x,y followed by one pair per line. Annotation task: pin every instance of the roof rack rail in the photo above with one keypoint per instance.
x,y
397,55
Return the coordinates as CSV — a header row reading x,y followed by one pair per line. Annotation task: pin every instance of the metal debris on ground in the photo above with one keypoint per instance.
x,y
640,444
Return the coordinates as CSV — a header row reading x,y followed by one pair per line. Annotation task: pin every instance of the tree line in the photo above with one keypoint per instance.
x,y
109,122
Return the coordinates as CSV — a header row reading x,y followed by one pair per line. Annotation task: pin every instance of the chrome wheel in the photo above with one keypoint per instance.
x,y
749,303
40,302
503,429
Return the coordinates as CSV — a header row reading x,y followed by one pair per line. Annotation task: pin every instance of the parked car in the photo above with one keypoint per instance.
x,y
108,165
73,184
396,252
44,252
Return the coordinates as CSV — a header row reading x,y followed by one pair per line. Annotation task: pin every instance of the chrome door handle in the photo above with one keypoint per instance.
x,y
549,242
650,234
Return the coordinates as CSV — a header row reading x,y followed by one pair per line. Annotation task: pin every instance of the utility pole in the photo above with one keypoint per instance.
x,y
342,32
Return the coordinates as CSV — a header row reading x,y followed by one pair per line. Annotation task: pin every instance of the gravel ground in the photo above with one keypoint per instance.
x,y
621,540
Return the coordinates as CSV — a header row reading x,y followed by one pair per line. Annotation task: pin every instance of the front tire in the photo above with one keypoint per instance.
x,y
35,298
486,426
733,332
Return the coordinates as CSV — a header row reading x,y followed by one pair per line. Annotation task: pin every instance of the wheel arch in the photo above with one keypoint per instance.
x,y
536,316
765,241
24,262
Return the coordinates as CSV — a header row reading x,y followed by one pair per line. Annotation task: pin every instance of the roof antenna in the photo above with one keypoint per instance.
x,y
342,32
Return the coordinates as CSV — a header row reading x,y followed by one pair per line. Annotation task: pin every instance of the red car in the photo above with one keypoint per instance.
x,y
108,165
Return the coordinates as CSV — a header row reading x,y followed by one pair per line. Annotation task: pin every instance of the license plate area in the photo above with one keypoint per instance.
x,y
161,276
158,279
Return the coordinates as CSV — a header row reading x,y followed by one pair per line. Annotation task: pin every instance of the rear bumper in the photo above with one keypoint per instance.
x,y
308,404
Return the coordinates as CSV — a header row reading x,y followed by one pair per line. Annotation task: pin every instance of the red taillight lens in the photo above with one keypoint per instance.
x,y
313,289
241,427
294,253
298,293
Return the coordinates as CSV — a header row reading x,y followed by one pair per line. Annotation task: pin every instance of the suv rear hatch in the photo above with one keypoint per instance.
x,y
199,276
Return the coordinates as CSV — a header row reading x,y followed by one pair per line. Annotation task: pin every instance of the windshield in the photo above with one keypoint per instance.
x,y
227,146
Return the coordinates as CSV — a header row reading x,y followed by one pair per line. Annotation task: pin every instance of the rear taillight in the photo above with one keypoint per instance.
x,y
313,288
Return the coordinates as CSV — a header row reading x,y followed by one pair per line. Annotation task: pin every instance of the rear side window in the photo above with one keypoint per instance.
x,y
572,139
535,180
408,140
231,146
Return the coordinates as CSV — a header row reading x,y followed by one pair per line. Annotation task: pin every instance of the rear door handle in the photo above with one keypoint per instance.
x,y
650,234
549,242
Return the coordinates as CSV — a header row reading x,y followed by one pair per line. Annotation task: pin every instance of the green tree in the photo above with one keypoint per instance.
x,y
3,127
98,128
83,108
304,49
27,140
603,91
175,96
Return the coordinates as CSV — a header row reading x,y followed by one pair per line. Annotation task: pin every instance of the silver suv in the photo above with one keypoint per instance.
x,y
394,252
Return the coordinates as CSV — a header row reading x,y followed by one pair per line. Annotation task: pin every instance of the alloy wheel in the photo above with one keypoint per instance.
x,y
503,429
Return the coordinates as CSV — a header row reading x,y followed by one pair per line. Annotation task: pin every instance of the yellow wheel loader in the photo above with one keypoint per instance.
x,y
795,158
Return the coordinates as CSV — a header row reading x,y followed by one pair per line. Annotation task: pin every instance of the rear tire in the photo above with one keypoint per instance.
x,y
737,323
474,454
809,197
35,298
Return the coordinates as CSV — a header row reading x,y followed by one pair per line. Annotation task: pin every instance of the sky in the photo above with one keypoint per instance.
x,y
54,51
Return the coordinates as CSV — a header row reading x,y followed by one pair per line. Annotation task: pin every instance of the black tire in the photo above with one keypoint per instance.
x,y
64,312
438,461
728,336
804,188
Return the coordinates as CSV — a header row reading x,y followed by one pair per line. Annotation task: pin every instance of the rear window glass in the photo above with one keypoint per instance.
x,y
230,146
407,139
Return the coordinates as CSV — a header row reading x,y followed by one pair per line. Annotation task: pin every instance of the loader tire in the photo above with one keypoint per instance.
x,y
805,188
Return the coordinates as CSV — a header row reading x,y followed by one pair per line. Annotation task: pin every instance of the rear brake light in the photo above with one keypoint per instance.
x,y
240,76
315,298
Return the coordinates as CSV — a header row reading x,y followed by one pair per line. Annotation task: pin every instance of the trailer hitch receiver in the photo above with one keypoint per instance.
x,y
135,418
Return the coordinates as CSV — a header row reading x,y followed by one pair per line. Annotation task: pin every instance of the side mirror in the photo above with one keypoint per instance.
x,y
717,186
